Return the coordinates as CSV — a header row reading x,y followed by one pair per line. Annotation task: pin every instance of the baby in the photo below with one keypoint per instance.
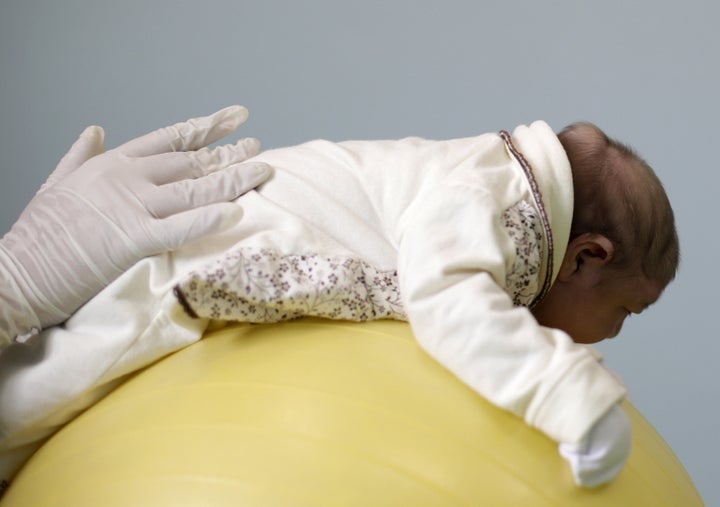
x,y
478,244
504,252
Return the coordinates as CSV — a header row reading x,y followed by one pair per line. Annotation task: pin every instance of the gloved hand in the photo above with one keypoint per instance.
x,y
600,456
99,213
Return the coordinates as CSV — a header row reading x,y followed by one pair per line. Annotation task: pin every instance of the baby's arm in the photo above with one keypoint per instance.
x,y
452,260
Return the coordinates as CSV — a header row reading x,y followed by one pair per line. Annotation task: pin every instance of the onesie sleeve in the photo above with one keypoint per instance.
x,y
453,254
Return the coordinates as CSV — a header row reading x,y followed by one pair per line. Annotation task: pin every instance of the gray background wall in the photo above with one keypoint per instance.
x,y
646,71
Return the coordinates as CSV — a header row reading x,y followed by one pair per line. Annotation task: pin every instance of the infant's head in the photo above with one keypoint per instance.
x,y
623,248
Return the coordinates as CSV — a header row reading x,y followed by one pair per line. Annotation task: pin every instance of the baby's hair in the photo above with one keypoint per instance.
x,y
618,195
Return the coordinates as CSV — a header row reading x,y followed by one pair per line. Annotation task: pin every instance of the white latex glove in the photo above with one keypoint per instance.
x,y
99,213
601,455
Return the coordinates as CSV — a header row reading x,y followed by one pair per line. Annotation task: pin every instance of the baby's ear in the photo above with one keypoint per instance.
x,y
588,249
596,248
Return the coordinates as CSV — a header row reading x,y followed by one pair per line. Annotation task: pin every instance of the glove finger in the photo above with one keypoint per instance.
x,y
220,186
210,160
177,230
168,168
90,143
187,136
172,167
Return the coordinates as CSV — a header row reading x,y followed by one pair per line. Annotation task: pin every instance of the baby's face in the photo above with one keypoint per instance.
x,y
591,312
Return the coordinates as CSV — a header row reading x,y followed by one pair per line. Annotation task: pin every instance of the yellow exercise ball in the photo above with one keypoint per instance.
x,y
319,413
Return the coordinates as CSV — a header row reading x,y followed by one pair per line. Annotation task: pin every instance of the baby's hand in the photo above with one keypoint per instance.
x,y
600,456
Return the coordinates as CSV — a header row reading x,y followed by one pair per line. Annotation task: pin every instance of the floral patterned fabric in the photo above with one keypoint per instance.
x,y
262,285
522,223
